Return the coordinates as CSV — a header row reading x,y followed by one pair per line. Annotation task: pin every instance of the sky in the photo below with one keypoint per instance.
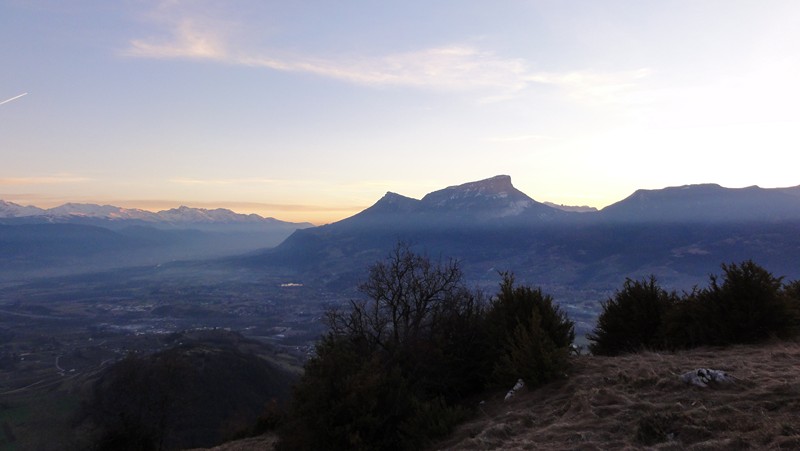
x,y
313,110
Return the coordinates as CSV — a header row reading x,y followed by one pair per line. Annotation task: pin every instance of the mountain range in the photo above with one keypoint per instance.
x,y
680,234
177,216
74,238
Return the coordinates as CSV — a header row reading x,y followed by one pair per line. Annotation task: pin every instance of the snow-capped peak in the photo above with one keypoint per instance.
x,y
12,210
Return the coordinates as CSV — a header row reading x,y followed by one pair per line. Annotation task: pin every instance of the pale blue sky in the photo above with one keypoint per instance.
x,y
311,110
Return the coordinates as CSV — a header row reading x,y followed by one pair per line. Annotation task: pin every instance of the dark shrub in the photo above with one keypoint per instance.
x,y
747,306
791,294
184,397
633,319
529,335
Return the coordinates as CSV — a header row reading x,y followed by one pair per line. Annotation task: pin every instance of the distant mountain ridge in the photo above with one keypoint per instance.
x,y
707,202
74,238
486,200
496,202
573,208
180,215
12,210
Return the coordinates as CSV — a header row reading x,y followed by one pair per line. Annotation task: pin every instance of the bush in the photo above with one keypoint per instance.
x,y
633,319
746,305
749,305
791,294
529,335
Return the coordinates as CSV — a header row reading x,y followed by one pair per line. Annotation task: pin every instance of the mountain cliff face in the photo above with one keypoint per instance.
x,y
486,203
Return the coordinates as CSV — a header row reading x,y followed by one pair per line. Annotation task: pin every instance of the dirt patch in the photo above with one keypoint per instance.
x,y
638,401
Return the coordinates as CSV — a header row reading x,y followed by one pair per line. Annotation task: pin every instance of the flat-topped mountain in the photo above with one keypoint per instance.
x,y
680,234
484,203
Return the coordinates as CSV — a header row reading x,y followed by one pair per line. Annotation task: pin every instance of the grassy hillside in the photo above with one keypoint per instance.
x,y
638,400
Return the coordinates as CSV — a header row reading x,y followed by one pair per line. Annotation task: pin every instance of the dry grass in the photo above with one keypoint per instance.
x,y
260,443
637,401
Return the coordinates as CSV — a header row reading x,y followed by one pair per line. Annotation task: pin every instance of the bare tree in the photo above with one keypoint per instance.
x,y
407,296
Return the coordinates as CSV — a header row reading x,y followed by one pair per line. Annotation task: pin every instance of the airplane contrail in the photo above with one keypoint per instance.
x,y
14,98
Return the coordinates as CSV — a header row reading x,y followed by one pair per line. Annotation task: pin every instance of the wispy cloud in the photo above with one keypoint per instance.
x,y
596,87
187,34
45,180
237,181
442,68
186,39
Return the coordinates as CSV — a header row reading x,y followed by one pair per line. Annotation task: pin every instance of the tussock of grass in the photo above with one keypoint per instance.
x,y
637,401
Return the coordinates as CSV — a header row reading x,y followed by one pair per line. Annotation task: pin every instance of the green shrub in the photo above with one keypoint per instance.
x,y
530,336
633,319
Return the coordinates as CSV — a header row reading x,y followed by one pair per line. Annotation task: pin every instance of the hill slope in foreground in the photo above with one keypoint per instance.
x,y
638,401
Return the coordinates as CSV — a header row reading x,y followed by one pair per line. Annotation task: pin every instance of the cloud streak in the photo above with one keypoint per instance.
x,y
449,68
13,98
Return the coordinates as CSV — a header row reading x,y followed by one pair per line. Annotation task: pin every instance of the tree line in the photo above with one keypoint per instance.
x,y
396,367
746,304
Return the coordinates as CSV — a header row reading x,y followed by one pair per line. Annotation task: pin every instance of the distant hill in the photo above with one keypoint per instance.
x,y
205,388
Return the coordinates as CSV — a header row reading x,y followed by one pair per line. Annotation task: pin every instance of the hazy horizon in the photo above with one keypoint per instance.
x,y
312,111
292,213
